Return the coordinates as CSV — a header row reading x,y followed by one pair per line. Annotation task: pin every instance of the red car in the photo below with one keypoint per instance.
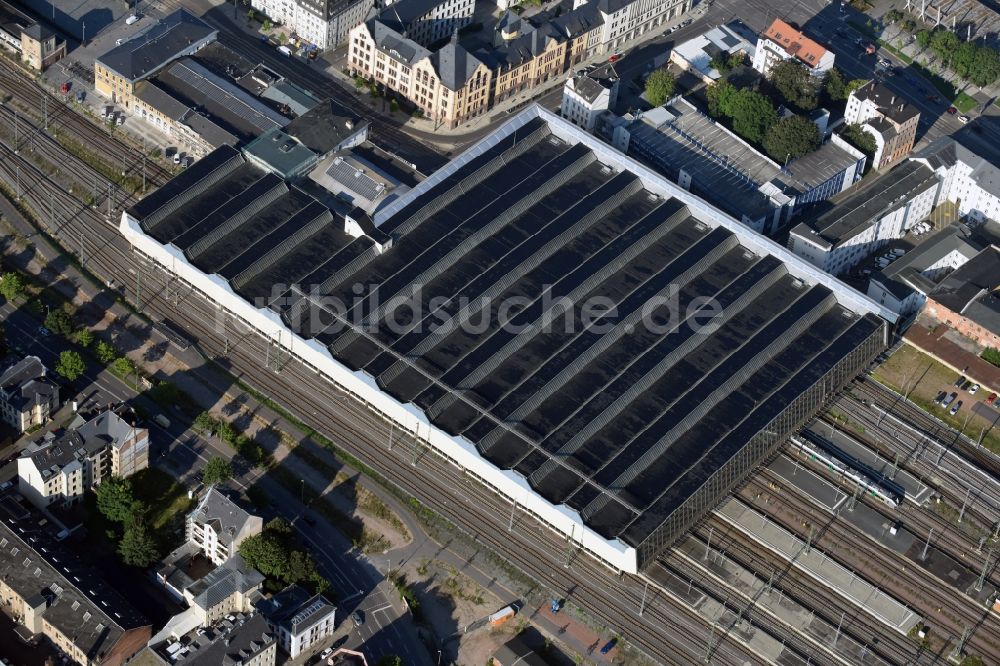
x,y
990,400
64,88
615,58
952,110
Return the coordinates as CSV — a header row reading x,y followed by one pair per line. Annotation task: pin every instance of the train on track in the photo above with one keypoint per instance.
x,y
871,480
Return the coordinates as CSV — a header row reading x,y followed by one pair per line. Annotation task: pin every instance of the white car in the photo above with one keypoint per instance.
x,y
973,389
963,119
326,653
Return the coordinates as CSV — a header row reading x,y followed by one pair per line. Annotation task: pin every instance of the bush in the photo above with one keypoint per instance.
x,y
70,365
991,355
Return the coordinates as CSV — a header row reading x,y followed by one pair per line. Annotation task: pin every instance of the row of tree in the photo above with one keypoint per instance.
x,y
976,63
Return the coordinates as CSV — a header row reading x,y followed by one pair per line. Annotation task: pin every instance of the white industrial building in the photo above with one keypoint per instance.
x,y
696,54
150,225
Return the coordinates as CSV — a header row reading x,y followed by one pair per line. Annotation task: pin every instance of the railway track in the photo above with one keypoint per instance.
x,y
877,643
884,568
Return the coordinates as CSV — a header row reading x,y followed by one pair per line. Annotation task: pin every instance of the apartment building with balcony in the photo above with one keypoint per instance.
x,y
217,526
61,468
325,23
428,21
301,620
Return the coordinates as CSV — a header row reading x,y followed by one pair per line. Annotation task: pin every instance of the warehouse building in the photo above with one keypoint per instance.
x,y
540,227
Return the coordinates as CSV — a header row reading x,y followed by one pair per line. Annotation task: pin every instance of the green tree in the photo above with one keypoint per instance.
x,y
279,526
909,25
853,85
860,139
360,83
892,16
923,38
659,87
70,365
835,85
104,352
720,95
122,366
205,423
389,660
794,83
752,114
83,337
963,58
266,553
791,137
266,26
11,286
719,63
737,59
216,471
116,501
137,547
59,322
985,67
944,43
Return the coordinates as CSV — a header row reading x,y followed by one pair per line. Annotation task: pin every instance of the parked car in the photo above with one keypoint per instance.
x,y
940,396
80,96
947,401
326,653
131,19
954,410
44,332
615,57
972,391
609,646
357,618
966,385
992,397
960,381
963,119
952,110
686,22
177,157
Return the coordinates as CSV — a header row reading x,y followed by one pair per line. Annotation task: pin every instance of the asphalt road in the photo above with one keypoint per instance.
x,y
181,452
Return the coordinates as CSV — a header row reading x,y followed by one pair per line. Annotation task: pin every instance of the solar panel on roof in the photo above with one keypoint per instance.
x,y
355,180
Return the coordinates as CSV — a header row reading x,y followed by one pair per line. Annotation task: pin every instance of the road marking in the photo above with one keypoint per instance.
x,y
380,608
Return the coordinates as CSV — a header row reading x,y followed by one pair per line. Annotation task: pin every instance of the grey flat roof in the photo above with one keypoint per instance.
x,y
859,208
622,421
165,40
77,601
905,275
325,126
971,289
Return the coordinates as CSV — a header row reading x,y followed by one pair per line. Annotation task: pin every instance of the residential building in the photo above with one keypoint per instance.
x,y
36,43
174,36
697,54
903,286
588,94
783,42
301,620
428,21
48,592
61,468
889,118
217,526
241,639
27,398
968,164
968,299
865,221
708,160
453,85
325,23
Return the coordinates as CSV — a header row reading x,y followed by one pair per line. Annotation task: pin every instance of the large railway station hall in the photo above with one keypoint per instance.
x,y
595,343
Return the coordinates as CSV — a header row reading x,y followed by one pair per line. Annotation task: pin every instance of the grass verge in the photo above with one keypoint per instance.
x,y
965,103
